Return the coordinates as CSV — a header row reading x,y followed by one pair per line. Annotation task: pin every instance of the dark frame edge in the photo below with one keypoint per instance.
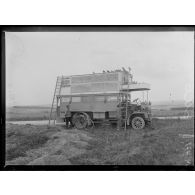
x,y
2,105
104,28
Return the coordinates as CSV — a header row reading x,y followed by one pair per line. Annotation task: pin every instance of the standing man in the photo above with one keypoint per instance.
x,y
68,116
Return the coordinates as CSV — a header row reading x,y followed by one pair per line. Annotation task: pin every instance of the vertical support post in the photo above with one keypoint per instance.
x,y
119,112
147,96
126,111
142,96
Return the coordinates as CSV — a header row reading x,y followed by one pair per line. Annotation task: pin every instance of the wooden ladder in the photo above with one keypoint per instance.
x,y
57,91
123,110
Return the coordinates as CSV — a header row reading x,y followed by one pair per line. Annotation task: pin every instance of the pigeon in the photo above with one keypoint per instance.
x,y
124,69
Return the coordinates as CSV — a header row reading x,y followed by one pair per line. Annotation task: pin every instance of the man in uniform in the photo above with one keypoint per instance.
x,y
68,116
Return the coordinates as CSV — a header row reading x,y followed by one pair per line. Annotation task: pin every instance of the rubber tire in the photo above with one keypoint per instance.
x,y
140,125
80,121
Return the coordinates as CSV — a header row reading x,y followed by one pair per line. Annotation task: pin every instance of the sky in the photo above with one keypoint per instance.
x,y
35,59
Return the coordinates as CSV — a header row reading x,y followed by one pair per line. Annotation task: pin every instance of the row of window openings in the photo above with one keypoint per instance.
x,y
66,82
89,99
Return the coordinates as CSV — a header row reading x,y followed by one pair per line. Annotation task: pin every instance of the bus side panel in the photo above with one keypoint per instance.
x,y
93,106
110,106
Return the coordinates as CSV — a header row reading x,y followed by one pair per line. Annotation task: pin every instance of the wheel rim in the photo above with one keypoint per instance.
x,y
138,123
80,121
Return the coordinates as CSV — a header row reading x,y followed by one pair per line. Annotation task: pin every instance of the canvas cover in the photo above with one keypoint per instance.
x,y
94,83
93,78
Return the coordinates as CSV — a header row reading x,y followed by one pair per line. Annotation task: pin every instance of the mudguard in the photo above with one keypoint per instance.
x,y
136,113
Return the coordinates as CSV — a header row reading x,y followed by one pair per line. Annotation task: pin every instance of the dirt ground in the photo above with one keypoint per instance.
x,y
171,142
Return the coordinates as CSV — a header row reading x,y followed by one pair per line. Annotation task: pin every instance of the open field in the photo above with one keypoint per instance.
x,y
171,142
169,112
27,113
30,113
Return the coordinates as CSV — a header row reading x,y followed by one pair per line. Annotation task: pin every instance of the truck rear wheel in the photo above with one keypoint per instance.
x,y
138,123
80,121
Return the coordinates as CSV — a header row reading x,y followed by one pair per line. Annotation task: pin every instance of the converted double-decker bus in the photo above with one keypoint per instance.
x,y
98,97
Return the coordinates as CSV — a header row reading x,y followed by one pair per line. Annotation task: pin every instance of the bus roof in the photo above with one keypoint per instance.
x,y
136,87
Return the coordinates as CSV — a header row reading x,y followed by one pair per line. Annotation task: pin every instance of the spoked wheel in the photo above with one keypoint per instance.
x,y
138,123
80,121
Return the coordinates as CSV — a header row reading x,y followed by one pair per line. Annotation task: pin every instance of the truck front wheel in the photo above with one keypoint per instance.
x,y
138,123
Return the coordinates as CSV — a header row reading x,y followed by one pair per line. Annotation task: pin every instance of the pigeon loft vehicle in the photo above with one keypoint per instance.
x,y
98,97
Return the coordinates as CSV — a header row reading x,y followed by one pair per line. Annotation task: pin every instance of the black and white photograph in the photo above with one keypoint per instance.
x,y
99,96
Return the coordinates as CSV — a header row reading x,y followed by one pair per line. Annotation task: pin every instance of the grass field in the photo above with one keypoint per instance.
x,y
27,113
171,142
169,112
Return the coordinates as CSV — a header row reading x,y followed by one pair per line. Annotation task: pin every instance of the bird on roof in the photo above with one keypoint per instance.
x,y
104,71
124,69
